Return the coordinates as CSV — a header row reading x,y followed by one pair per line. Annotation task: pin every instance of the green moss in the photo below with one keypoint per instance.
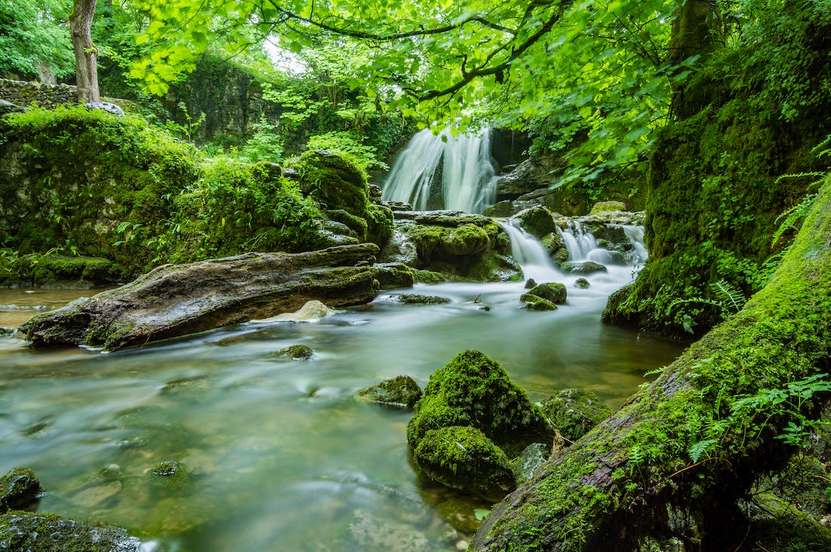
x,y
428,277
780,526
39,270
414,299
474,390
574,412
537,221
463,458
20,488
82,180
607,207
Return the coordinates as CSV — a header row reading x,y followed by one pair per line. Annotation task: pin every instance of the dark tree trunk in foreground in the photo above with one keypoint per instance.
x,y
680,448
86,55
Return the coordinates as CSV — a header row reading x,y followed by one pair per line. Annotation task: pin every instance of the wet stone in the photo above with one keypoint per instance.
x,y
414,299
398,392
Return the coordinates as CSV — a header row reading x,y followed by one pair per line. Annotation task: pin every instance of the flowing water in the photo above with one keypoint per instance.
x,y
468,180
277,454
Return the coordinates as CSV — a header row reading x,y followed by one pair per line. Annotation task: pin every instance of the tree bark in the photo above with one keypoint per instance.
x,y
86,54
681,448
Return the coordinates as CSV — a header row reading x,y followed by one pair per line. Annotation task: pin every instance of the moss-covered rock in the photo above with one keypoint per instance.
x,y
341,187
20,489
398,392
582,283
474,390
49,533
535,303
573,412
537,221
607,206
463,458
552,291
556,247
470,247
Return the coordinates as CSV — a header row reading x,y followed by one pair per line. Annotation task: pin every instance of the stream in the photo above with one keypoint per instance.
x,y
277,454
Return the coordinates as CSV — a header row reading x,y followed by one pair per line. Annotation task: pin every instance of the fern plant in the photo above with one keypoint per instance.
x,y
726,299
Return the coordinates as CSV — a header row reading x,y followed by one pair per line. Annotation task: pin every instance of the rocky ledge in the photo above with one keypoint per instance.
x,y
177,300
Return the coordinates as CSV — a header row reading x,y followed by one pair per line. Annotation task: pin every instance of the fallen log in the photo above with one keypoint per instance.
x,y
676,457
177,300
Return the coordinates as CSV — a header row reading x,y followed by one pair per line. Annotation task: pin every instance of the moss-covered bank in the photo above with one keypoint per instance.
x,y
81,188
749,115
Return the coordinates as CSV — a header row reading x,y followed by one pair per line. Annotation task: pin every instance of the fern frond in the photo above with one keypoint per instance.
x,y
792,218
796,176
823,149
730,297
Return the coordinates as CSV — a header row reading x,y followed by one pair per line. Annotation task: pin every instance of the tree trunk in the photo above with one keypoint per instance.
x,y
682,448
86,55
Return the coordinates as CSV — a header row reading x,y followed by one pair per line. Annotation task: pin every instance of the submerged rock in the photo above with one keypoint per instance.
x,y
30,532
530,283
296,352
166,468
372,534
397,392
573,412
581,283
463,458
583,267
527,463
177,300
414,299
20,489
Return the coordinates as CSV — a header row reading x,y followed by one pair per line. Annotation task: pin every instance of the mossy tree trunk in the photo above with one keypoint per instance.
x,y
86,55
692,35
681,448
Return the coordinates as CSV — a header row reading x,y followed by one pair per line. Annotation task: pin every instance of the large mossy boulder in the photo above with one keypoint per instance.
x,y
471,247
573,412
19,488
468,424
463,458
474,390
341,187
30,532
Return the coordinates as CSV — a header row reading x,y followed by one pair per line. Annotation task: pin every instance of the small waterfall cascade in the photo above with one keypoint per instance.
x,y
468,180
530,254
579,243
635,236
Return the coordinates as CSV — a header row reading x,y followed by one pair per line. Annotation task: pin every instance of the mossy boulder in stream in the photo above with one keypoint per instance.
x,y
474,392
463,458
552,291
50,533
19,488
296,352
463,246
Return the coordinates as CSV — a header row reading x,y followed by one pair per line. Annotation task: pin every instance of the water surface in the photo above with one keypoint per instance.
x,y
277,454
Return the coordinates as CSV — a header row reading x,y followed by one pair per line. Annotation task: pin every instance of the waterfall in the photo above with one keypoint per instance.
x,y
530,254
635,236
468,180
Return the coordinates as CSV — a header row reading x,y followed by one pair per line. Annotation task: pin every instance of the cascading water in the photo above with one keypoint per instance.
x,y
468,180
579,243
530,254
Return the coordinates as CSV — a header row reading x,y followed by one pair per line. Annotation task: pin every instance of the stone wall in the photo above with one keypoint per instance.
x,y
25,93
